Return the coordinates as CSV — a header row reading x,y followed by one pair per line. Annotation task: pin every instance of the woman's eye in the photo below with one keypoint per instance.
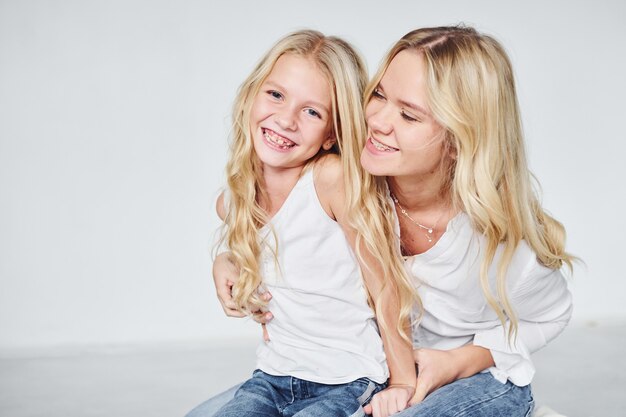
x,y
409,117
377,94
314,113
275,94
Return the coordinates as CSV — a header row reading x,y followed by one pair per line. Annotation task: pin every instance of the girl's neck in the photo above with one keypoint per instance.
x,y
278,183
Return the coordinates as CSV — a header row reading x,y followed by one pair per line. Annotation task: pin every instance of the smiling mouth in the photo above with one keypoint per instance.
x,y
277,140
381,146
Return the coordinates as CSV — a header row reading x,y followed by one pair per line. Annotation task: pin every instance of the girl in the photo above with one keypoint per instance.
x,y
286,211
444,130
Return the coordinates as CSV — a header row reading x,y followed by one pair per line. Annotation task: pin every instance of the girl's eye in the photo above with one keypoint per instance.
x,y
314,113
408,117
275,94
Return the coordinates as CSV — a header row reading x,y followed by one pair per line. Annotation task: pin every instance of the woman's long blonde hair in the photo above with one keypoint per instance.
x,y
345,71
471,91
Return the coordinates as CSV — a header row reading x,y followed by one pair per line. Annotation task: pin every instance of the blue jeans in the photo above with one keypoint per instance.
x,y
477,396
480,395
267,395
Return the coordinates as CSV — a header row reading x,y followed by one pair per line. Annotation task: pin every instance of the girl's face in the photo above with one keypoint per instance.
x,y
403,137
291,115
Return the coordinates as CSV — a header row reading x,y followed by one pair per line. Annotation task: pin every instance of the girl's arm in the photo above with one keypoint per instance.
x,y
437,368
399,352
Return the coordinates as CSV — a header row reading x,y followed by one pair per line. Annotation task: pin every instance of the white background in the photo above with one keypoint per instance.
x,y
113,135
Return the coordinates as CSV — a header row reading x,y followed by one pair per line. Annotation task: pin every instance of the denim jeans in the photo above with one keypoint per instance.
x,y
209,407
266,395
480,395
477,396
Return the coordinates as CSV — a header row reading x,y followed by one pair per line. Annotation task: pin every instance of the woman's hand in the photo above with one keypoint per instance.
x,y
389,401
225,274
436,368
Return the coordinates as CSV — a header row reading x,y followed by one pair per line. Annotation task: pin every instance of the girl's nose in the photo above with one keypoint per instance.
x,y
286,119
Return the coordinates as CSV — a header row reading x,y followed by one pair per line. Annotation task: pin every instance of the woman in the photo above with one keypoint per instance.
x,y
444,130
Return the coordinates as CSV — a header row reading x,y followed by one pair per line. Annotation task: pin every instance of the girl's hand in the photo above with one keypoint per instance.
x,y
435,368
389,401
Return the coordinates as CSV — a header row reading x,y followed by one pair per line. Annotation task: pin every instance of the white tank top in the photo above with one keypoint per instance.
x,y
323,329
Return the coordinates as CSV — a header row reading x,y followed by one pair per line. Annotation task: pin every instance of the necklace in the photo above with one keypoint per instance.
x,y
429,230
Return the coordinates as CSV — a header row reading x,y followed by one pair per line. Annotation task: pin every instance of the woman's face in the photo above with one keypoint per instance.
x,y
403,137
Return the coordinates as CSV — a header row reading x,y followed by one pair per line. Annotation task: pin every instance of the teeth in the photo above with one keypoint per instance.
x,y
277,140
381,146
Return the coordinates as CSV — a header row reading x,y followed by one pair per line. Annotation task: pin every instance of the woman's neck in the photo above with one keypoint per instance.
x,y
419,194
423,209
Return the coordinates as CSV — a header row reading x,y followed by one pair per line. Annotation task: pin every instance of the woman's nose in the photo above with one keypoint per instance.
x,y
378,119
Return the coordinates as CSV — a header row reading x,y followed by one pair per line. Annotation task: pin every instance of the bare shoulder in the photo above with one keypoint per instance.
x,y
219,206
328,180
328,171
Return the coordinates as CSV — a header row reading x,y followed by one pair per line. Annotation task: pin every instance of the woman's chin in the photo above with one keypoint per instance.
x,y
373,167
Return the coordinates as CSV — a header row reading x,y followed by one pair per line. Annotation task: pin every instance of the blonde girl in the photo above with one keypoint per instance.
x,y
290,212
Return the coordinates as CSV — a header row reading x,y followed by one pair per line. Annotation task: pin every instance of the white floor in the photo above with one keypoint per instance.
x,y
582,374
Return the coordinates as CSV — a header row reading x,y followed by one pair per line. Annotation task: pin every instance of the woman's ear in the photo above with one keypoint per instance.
x,y
452,151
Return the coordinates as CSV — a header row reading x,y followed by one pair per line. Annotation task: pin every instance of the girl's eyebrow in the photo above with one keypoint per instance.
x,y
274,84
313,103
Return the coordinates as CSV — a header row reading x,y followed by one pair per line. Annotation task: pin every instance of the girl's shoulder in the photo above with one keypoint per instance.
x,y
329,186
220,204
328,171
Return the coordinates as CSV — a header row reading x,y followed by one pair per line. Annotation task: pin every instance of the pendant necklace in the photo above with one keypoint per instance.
x,y
428,230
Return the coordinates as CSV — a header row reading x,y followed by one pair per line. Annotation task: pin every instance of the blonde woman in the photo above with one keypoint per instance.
x,y
444,130
289,213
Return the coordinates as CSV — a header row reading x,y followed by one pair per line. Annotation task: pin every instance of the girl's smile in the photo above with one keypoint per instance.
x,y
276,141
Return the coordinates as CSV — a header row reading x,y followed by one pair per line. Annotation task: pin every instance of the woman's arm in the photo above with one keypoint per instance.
x,y
226,273
543,305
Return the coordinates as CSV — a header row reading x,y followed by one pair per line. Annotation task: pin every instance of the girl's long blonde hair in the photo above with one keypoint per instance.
x,y
346,74
471,91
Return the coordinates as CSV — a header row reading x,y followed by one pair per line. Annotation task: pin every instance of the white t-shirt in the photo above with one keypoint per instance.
x,y
456,312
